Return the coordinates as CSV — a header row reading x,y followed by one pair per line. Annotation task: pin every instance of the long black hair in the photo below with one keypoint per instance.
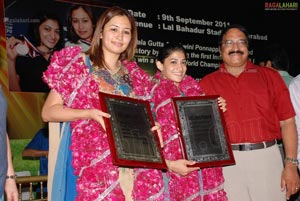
x,y
168,49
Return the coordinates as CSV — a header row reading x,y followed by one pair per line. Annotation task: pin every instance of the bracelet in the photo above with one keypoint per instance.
x,y
11,177
294,161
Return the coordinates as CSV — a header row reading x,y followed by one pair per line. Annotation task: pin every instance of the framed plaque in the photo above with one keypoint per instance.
x,y
202,133
131,141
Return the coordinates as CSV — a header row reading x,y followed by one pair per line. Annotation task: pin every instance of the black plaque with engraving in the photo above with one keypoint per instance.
x,y
132,143
202,132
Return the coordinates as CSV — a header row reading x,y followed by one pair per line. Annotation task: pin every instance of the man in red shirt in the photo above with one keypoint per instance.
x,y
259,111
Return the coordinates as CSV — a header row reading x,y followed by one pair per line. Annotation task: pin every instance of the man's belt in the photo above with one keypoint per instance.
x,y
253,146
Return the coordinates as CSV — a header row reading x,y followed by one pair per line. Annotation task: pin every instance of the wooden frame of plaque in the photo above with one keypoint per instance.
x,y
202,131
131,141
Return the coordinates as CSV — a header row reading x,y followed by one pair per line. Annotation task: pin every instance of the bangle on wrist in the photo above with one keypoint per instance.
x,y
294,161
11,177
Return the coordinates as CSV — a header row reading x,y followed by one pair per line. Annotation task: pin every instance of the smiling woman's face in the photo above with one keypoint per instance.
x,y
174,66
49,34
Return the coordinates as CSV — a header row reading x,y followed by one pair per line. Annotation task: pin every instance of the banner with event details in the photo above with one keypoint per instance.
x,y
196,27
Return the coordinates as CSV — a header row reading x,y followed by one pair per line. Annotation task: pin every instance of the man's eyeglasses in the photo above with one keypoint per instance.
x,y
239,43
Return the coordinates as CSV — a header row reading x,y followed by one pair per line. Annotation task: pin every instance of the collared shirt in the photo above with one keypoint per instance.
x,y
257,100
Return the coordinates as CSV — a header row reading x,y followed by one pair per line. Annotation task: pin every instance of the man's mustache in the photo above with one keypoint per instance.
x,y
236,52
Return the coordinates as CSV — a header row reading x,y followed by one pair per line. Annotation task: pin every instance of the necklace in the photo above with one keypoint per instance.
x,y
113,72
47,55
49,51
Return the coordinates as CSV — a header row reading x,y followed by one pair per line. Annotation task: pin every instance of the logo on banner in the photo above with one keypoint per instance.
x,y
281,6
